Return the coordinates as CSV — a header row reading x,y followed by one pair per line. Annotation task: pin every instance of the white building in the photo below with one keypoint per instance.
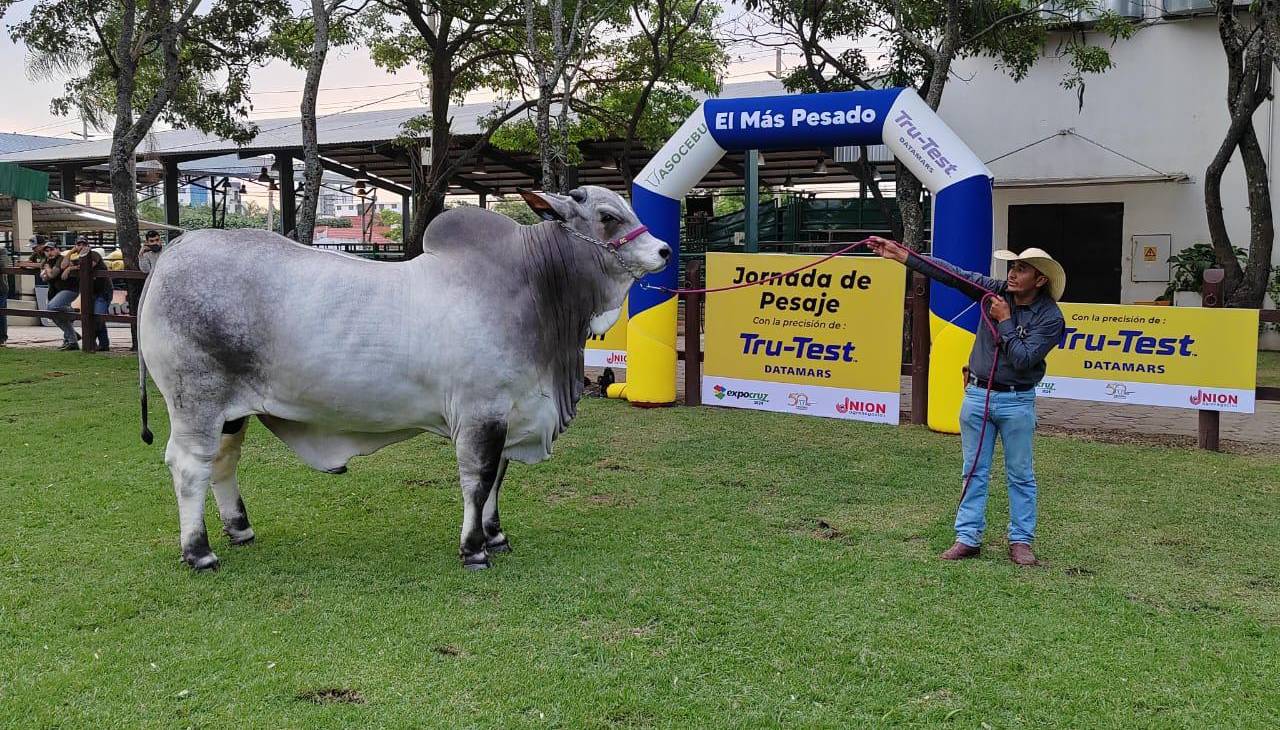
x,y
350,206
1127,172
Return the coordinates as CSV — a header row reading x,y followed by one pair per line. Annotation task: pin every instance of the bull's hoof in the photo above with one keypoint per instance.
x,y
206,563
498,546
240,537
477,561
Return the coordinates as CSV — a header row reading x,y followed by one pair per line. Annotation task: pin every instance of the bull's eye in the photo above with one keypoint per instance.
x,y
608,219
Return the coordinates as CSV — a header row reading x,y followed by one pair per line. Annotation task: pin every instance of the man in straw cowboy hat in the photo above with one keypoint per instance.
x,y
1026,316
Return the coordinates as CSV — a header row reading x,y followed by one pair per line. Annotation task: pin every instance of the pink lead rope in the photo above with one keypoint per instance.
x,y
982,311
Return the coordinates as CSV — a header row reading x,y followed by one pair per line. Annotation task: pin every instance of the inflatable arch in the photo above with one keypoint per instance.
x,y
898,118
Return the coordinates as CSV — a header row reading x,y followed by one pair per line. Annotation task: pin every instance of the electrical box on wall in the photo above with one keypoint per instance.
x,y
1149,257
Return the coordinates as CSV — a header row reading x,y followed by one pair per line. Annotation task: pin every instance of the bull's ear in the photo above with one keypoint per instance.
x,y
548,206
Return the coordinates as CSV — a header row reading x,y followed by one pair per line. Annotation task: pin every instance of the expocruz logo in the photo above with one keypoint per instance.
x,y
722,392
861,407
928,145
1209,398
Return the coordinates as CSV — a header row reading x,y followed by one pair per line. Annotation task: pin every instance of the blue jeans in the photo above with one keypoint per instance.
x,y
1013,417
61,302
4,321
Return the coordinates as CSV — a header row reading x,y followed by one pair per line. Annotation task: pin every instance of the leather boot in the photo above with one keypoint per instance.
x,y
960,551
1020,553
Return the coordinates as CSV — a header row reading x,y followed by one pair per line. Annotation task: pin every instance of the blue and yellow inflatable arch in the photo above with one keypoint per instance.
x,y
898,118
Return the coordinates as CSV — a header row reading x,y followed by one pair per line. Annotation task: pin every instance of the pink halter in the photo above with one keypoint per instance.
x,y
628,237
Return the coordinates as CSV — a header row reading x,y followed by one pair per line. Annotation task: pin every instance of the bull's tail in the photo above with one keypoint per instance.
x,y
147,436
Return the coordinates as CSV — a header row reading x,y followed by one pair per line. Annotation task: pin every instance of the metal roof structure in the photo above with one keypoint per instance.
x,y
60,216
362,144
10,142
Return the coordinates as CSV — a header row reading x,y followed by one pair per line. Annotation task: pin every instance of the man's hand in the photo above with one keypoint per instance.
x,y
999,309
891,250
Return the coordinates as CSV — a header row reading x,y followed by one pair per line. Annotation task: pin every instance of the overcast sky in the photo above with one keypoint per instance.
x,y
350,80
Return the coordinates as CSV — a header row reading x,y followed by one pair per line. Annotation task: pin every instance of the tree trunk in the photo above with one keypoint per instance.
x,y
912,208
433,182
1249,61
910,200
1252,287
546,148
562,132
313,172
124,197
124,192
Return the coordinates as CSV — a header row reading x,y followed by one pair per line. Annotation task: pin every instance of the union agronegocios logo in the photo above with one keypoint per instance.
x,y
1209,398
863,407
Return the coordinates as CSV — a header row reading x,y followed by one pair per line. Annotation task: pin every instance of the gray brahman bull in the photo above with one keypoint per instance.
x,y
478,340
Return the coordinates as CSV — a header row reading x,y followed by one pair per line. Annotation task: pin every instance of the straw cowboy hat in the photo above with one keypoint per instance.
x,y
1044,263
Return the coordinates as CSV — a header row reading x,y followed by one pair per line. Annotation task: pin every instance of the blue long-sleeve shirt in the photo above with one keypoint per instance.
x,y
1026,338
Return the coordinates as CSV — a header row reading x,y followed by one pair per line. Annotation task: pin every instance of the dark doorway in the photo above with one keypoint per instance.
x,y
1084,237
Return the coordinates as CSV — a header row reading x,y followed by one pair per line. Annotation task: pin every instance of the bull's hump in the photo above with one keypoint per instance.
x,y
469,227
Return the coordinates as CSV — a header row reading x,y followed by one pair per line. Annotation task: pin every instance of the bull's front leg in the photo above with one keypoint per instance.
x,y
495,540
479,447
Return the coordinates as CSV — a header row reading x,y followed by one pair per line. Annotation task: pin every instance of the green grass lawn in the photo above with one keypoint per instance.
x,y
1268,368
672,568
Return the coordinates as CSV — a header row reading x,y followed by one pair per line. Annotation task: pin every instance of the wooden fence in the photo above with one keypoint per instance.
x,y
916,303
88,319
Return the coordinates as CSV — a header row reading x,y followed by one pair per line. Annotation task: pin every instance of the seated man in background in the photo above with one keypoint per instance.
x,y
151,248
61,294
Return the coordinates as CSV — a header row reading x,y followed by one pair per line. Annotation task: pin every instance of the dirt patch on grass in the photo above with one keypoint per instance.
x,y
332,696
448,650
611,500
619,633
1174,542
434,483
1130,438
609,463
559,494
1263,583
822,530
35,378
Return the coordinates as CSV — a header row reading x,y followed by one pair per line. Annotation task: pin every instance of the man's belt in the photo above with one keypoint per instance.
x,y
998,387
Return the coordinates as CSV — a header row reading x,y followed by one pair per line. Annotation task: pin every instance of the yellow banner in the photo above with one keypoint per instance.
x,y
1189,357
826,341
609,349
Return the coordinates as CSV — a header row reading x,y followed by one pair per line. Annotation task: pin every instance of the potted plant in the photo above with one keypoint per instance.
x,y
1187,275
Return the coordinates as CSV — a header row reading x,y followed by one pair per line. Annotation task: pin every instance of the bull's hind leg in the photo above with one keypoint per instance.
x,y
226,490
192,449
479,446
495,540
